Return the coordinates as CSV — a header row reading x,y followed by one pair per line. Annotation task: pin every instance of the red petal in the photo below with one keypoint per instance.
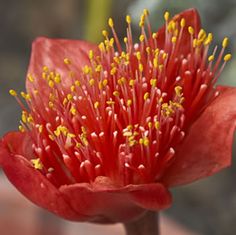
x,y
18,143
106,203
51,53
33,185
208,146
192,18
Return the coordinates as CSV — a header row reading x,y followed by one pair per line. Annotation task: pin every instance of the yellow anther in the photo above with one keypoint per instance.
x,y
110,102
191,30
96,104
72,88
146,12
104,82
146,96
69,96
131,82
102,47
67,61
30,119
91,54
211,58
171,26
127,133
150,124
44,75
202,34
157,125
110,22
21,128
78,145
83,130
50,104
45,69
98,68
71,135
113,71
128,19
40,128
24,117
73,110
145,141
116,93
51,83
37,164
125,39
174,39
77,83
86,69
140,67
148,50
182,22
51,75
195,42
57,78
227,57
138,55
225,42
208,39
129,127
91,82
141,141
111,42
153,82
155,63
141,38
166,16
105,33
154,35
51,137
12,92
65,101
23,94
178,91
30,78
164,56
142,20
129,102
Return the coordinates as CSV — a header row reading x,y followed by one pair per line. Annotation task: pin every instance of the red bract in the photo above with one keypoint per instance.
x,y
107,132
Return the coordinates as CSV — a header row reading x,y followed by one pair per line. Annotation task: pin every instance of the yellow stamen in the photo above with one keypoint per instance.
x,y
227,57
225,42
110,22
12,92
37,164
67,61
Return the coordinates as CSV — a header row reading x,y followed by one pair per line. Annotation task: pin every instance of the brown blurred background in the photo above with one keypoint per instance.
x,y
207,207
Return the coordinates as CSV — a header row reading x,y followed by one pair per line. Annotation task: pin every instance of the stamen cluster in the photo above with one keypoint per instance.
x,y
125,113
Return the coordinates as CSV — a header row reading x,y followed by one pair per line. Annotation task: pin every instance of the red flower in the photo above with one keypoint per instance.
x,y
107,132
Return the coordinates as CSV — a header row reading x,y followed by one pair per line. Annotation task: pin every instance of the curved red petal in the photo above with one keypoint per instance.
x,y
192,19
208,146
35,186
51,53
18,143
107,203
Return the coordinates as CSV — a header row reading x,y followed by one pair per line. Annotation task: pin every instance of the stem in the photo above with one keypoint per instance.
x,y
96,20
145,225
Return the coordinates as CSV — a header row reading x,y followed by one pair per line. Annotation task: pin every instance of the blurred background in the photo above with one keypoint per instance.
x,y
207,207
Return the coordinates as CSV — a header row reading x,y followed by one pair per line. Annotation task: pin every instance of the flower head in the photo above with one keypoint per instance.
x,y
107,131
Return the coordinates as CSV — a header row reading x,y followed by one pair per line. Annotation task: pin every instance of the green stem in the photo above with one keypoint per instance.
x,y
97,16
145,225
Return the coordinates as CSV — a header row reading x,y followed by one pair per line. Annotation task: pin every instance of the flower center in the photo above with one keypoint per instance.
x,y
125,113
